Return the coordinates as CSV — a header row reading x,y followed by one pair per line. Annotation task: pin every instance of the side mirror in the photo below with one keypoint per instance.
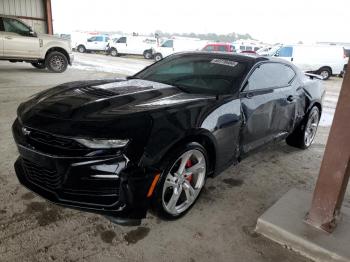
x,y
277,54
32,33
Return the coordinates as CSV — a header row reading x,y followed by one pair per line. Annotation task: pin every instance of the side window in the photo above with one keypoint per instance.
x,y
222,48
168,43
99,38
122,40
286,51
270,75
249,48
242,48
92,39
209,48
15,26
107,39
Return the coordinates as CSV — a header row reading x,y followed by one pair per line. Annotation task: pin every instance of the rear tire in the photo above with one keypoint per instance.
x,y
147,54
56,62
185,187
81,49
303,136
325,72
39,65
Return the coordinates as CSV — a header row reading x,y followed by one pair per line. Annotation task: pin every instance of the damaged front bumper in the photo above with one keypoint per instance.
x,y
107,184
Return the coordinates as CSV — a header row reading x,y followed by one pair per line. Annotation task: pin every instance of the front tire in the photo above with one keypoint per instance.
x,y
158,57
303,136
113,52
184,176
39,65
81,49
56,62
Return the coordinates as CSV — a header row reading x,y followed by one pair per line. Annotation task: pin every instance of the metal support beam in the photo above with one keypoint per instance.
x,y
335,168
49,16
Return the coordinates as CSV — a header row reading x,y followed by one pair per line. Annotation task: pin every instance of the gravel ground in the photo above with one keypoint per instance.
x,y
219,228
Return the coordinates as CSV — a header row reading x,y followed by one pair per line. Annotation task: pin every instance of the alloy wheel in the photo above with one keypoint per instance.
x,y
311,128
57,63
184,182
324,74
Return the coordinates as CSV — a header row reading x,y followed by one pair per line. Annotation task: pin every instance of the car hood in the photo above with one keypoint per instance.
x,y
104,99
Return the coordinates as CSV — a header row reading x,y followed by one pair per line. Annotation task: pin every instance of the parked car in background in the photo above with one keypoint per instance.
x,y
325,60
177,44
246,45
94,43
120,146
133,45
19,43
219,47
268,50
248,52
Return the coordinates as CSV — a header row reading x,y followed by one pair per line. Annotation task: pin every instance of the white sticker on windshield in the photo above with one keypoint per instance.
x,y
224,62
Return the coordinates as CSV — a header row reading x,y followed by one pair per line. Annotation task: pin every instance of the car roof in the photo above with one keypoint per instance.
x,y
219,43
250,58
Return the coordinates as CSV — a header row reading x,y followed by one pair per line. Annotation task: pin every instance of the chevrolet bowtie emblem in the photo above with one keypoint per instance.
x,y
25,131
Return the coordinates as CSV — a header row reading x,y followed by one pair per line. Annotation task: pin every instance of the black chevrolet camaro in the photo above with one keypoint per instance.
x,y
120,146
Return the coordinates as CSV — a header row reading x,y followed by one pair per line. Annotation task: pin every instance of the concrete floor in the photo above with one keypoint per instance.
x,y
220,227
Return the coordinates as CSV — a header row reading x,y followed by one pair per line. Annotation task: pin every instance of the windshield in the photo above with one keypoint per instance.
x,y
197,74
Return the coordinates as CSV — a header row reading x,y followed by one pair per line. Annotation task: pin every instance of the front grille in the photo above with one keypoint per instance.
x,y
97,92
51,140
41,176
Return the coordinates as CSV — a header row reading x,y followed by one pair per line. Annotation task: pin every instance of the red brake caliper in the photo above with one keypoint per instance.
x,y
188,165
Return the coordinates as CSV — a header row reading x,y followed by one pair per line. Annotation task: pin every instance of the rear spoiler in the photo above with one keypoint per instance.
x,y
312,76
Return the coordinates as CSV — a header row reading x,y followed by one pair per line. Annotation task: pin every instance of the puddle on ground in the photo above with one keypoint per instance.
x,y
28,196
232,182
250,231
211,188
136,235
44,213
108,236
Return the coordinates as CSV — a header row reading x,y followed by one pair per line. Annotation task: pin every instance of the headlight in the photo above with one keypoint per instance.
x,y
103,143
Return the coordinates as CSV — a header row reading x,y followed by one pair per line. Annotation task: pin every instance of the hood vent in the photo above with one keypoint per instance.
x,y
95,91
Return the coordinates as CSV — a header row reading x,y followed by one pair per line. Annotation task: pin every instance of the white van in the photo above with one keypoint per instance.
x,y
177,44
133,45
325,60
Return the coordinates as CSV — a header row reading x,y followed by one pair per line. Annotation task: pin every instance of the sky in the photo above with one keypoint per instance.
x,y
271,21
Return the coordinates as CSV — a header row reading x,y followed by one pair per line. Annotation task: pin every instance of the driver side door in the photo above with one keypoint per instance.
x,y
268,103
18,41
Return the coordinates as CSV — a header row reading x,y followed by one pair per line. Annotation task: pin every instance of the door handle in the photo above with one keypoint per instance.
x,y
290,98
8,37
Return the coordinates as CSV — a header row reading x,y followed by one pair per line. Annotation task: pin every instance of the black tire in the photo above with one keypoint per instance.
x,y
39,65
326,72
113,52
167,165
147,54
81,49
298,137
158,57
56,62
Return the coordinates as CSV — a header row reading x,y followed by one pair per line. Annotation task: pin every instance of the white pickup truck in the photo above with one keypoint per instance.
x,y
19,43
94,43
